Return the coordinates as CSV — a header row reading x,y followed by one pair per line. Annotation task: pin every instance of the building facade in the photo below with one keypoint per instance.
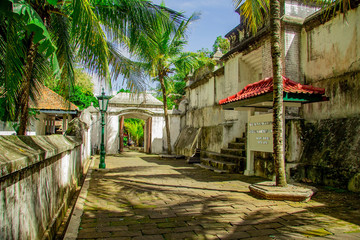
x,y
321,138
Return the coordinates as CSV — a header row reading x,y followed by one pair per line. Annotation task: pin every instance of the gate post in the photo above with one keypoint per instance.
x,y
121,134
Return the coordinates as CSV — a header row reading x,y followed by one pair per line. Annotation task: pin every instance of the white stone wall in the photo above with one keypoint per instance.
x,y
34,191
158,142
112,140
174,129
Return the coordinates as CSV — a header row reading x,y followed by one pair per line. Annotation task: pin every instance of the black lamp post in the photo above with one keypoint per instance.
x,y
103,105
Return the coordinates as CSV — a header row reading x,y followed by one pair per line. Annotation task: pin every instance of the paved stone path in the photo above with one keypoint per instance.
x,y
141,196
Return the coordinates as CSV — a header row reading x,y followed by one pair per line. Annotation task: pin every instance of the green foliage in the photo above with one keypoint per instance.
x,y
135,128
124,91
255,12
56,34
222,43
83,98
81,94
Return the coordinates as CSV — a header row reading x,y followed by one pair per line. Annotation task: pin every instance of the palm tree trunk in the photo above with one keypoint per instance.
x,y
25,91
161,79
279,160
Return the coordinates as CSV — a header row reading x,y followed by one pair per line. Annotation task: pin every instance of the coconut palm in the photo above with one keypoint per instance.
x,y
37,34
161,50
256,12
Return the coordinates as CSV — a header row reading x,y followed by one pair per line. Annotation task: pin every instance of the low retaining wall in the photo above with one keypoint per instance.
x,y
38,177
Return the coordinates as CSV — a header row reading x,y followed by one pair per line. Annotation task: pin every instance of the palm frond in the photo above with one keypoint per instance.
x,y
131,70
90,39
13,55
60,29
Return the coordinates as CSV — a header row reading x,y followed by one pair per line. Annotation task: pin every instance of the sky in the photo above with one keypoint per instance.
x,y
217,18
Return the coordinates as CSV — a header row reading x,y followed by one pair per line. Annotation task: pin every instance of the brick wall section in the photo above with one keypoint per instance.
x,y
266,56
292,52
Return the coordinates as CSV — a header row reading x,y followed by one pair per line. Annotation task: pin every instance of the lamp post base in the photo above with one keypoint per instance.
x,y
102,165
102,160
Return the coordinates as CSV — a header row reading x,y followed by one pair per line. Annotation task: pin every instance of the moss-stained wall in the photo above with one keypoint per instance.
x,y
344,98
211,138
331,154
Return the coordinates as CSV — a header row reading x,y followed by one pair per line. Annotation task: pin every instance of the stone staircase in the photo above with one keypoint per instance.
x,y
230,160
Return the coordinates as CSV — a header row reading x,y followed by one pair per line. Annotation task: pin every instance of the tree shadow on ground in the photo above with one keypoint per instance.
x,y
124,204
151,211
337,203
199,174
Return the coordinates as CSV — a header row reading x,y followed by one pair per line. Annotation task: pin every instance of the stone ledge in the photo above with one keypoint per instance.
x,y
269,191
19,152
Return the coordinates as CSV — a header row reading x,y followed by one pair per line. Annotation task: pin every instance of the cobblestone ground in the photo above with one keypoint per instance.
x,y
141,196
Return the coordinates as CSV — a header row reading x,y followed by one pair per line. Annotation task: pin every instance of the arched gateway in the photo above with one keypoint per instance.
x,y
127,105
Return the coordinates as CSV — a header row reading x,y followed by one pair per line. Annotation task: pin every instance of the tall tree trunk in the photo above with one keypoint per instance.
x,y
161,78
25,91
279,161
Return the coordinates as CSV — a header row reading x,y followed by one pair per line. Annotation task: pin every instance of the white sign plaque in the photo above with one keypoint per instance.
x,y
260,133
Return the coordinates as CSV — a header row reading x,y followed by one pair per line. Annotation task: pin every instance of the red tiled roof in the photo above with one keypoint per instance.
x,y
50,100
266,86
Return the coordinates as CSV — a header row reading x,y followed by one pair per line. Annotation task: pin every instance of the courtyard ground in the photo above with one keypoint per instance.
x,y
141,196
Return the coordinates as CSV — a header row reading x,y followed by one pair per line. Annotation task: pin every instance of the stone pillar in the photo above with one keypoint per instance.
x,y
148,135
121,135
64,123
249,171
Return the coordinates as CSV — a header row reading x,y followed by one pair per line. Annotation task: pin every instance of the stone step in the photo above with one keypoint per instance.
x,y
225,157
234,145
211,168
240,140
221,165
235,152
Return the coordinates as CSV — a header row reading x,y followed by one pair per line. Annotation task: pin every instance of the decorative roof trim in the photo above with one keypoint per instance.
x,y
266,86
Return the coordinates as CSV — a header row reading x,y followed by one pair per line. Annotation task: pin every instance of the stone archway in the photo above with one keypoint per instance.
x,y
142,106
139,114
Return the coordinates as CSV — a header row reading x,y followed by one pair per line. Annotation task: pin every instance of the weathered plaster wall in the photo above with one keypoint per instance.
x,y
203,111
247,74
330,57
174,128
38,177
331,49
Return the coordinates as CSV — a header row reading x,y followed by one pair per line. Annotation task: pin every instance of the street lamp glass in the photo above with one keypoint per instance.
x,y
103,101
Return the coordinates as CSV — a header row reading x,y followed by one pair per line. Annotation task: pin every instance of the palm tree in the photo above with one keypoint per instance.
x,y
161,50
255,13
37,34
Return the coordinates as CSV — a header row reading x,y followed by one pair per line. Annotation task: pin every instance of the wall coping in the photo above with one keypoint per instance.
x,y
19,152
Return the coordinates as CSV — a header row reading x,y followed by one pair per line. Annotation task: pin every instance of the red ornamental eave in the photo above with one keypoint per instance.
x,y
266,86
